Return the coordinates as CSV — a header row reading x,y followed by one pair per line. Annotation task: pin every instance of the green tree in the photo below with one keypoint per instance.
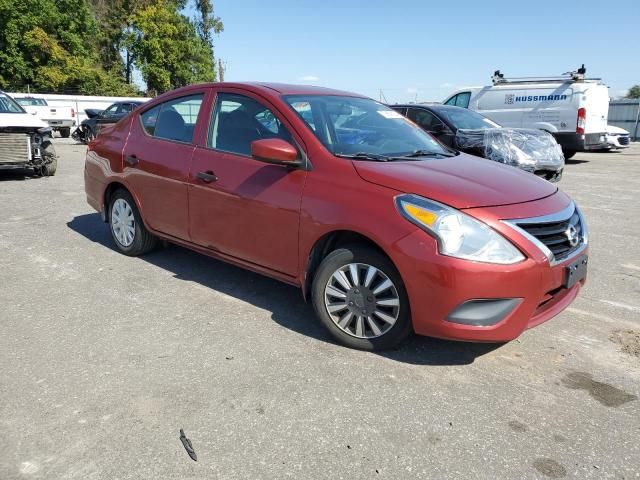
x,y
167,48
50,45
207,23
634,92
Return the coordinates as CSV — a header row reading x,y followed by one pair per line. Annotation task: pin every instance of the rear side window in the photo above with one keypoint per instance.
x,y
173,120
400,110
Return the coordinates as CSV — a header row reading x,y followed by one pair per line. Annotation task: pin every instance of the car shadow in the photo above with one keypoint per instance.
x,y
575,161
285,302
16,174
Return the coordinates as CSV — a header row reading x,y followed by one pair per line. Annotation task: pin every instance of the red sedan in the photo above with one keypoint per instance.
x,y
384,229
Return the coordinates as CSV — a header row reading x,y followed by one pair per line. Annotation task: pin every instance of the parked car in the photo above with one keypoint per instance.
x,y
535,151
25,140
573,108
617,138
60,119
90,127
384,229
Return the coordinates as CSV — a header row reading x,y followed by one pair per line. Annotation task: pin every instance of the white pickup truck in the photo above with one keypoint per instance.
x,y
61,119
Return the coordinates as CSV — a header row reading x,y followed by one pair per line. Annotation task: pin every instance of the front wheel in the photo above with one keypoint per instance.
x,y
50,160
360,298
129,233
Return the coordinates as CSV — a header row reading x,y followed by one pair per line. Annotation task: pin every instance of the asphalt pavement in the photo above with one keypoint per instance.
x,y
104,358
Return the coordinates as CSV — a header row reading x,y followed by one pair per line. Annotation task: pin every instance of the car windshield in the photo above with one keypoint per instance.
x,y
350,126
9,105
461,118
31,102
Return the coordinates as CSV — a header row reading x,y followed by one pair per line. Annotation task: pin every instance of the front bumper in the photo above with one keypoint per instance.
x,y
437,288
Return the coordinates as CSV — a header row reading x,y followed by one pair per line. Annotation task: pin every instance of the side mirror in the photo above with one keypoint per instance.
x,y
275,151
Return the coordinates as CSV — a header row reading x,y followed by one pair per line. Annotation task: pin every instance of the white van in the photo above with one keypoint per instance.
x,y
572,108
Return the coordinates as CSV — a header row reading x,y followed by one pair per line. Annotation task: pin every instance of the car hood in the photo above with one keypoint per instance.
x,y
21,120
463,181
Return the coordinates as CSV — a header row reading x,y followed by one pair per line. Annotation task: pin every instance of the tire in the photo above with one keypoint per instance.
x,y
127,229
568,154
65,132
363,322
50,158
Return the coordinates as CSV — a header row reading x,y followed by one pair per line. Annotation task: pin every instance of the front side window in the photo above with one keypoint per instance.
x,y
127,107
9,105
111,110
452,101
424,118
462,99
173,120
353,125
238,120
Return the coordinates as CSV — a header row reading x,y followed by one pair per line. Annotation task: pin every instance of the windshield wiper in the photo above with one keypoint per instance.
x,y
425,153
363,156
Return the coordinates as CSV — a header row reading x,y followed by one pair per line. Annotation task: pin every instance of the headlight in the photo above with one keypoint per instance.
x,y
458,234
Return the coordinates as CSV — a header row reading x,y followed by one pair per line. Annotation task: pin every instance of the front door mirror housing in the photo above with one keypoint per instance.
x,y
275,151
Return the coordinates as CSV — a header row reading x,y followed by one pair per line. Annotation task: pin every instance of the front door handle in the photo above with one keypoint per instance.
x,y
207,176
131,160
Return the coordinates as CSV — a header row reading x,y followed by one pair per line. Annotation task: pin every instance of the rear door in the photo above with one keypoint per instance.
x,y
595,99
157,158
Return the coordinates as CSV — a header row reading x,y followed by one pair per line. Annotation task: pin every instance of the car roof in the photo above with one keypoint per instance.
x,y
430,106
270,89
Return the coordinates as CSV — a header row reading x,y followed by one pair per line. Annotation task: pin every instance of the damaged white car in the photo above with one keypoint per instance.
x,y
25,140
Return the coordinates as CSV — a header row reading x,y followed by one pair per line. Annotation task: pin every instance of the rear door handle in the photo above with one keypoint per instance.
x,y
131,160
207,176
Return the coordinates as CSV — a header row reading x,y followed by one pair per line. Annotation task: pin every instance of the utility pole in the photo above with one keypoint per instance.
x,y
222,67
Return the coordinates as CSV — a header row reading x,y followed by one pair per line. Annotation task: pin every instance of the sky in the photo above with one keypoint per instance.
x,y
423,50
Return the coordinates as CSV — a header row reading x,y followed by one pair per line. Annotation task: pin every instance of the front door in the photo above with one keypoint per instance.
x,y
240,206
157,157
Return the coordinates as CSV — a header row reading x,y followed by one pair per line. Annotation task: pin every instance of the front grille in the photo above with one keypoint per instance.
x,y
556,235
15,148
623,140
593,138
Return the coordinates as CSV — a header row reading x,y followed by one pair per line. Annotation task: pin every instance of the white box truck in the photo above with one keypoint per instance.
x,y
572,108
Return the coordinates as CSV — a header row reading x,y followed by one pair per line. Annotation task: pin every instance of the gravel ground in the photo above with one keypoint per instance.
x,y
104,358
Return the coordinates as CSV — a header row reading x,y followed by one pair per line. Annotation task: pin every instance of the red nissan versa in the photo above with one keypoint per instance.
x,y
384,229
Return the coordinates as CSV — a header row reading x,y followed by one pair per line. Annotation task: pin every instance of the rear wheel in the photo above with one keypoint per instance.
x,y
359,296
127,229
65,132
568,154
